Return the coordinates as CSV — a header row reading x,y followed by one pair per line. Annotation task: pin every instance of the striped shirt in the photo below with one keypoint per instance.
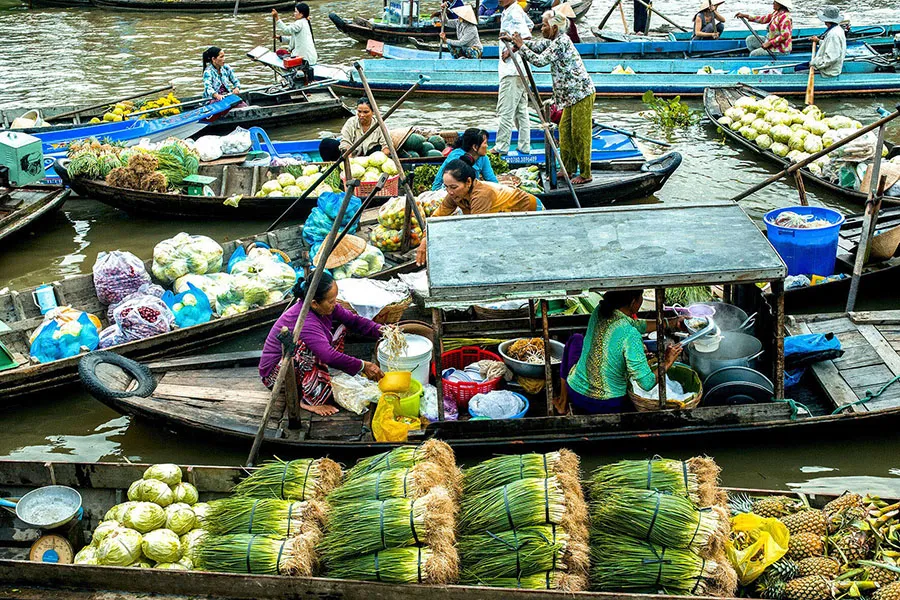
x,y
780,35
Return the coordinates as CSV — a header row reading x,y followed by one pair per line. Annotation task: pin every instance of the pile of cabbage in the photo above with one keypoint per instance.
x,y
286,184
369,168
184,254
158,527
774,125
369,262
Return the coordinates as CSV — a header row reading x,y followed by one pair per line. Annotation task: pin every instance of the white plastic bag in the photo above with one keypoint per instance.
x,y
353,392
236,142
209,147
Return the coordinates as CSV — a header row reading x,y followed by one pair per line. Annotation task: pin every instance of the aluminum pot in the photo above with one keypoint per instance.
x,y
735,350
729,317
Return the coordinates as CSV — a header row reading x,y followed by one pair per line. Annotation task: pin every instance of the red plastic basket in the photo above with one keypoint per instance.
x,y
391,187
462,391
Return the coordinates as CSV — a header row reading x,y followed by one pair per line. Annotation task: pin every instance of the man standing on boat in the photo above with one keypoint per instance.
x,y
512,98
829,58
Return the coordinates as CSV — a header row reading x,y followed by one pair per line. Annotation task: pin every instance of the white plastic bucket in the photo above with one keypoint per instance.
x,y
417,358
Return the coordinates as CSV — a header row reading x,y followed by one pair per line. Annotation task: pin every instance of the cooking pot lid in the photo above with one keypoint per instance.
x,y
737,392
734,373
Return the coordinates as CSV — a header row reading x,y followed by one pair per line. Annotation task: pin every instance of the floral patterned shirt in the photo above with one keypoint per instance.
x,y
780,36
214,79
571,82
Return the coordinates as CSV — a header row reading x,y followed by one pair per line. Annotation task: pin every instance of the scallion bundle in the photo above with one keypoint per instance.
x,y
663,519
302,479
622,563
697,478
491,556
257,554
366,526
549,580
433,451
281,518
506,469
412,564
408,482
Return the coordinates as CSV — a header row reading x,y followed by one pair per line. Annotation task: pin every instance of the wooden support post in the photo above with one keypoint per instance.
x,y
870,219
531,316
778,293
801,189
624,20
548,369
661,346
437,319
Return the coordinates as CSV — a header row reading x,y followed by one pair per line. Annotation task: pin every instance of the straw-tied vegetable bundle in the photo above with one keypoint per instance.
x,y
407,482
697,478
257,554
302,479
506,469
268,516
432,451
411,564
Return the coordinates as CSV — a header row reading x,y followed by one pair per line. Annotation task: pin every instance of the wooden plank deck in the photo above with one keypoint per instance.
x,y
871,343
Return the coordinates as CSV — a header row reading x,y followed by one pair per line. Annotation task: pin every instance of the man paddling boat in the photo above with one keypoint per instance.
x,y
829,58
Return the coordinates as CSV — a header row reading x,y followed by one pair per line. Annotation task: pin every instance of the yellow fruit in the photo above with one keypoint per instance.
x,y
117,111
109,117
117,118
96,120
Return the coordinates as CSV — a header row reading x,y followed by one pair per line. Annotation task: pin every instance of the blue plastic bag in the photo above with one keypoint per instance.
x,y
241,254
190,307
55,342
321,218
330,204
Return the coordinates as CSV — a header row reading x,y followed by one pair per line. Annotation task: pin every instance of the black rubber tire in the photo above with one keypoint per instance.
x,y
87,371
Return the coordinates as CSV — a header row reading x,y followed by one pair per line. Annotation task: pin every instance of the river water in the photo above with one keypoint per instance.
x,y
71,56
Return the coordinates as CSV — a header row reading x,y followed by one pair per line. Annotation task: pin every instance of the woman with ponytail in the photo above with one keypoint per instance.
x,y
218,78
319,347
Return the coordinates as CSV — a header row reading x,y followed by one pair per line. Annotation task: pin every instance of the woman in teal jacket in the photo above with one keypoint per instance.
x,y
474,143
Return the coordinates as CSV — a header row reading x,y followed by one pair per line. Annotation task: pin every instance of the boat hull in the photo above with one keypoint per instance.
x,y
50,199
193,6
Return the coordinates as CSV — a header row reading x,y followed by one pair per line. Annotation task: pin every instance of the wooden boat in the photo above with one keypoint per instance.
x,y
192,6
364,30
856,32
664,77
716,100
103,485
22,207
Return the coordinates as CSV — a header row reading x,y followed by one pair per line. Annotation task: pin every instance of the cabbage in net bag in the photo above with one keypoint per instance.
x,y
184,254
118,274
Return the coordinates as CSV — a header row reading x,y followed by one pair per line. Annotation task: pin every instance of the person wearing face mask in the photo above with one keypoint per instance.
x,y
218,78
320,346
472,143
357,125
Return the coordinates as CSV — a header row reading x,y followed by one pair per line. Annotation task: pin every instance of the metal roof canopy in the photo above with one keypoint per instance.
x,y
542,255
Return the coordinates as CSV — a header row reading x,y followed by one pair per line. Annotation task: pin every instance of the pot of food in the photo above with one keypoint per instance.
x,y
734,350
730,318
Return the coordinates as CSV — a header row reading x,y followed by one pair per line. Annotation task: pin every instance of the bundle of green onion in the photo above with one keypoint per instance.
x,y
280,518
489,556
366,526
697,478
302,479
664,519
622,563
412,564
506,469
407,482
406,456
549,580
257,554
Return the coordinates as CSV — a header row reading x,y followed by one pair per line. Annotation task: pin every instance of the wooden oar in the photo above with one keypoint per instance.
x,y
443,18
79,111
609,14
758,39
324,175
811,82
624,20
236,3
653,10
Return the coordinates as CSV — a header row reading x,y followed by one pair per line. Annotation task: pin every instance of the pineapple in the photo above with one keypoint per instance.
x,y
776,506
845,517
849,545
805,545
818,565
805,521
889,592
881,576
785,569
770,587
814,587
842,502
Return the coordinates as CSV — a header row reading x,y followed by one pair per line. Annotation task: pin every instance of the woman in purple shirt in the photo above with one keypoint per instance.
x,y
318,347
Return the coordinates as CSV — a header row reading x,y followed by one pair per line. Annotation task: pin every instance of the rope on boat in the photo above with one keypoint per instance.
x,y
795,407
868,397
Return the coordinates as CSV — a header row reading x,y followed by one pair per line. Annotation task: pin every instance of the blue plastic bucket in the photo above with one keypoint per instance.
x,y
806,251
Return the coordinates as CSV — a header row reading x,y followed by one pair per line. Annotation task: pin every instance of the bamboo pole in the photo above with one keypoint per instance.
x,y
443,18
548,367
624,20
660,297
811,81
609,14
650,9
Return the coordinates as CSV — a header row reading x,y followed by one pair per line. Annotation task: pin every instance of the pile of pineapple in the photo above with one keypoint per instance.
x,y
849,548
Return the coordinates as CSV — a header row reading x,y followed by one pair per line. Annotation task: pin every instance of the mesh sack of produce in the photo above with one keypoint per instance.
x,y
662,518
184,254
411,564
405,482
506,469
257,554
434,451
64,335
143,316
392,213
696,478
369,262
118,274
390,240
269,516
190,307
364,526
430,201
111,336
487,558
268,269
623,563
211,284
244,293
150,289
301,479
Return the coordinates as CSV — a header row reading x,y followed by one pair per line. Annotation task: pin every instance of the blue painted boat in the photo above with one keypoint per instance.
x,y
856,32
664,77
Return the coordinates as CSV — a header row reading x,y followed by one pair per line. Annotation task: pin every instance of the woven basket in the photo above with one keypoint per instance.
x,y
483,312
392,313
684,375
885,244
391,187
450,137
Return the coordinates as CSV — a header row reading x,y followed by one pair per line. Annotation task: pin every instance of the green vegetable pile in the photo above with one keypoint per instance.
x,y
423,178
669,114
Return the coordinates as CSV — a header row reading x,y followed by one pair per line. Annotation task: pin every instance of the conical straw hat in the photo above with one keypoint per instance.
x,y
566,10
349,248
465,13
885,244
399,136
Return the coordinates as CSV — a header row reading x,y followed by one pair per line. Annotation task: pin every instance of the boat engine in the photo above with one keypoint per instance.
x,y
897,46
21,159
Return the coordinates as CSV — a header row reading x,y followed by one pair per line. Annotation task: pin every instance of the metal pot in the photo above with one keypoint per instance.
x,y
735,350
729,317
737,375
737,392
47,507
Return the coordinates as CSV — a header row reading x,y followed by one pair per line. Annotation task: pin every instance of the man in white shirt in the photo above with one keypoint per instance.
x,y
512,97
829,58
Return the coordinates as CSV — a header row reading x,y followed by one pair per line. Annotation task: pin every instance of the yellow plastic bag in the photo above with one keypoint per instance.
x,y
389,428
763,541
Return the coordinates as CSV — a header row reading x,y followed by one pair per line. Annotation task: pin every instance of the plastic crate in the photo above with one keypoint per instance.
x,y
462,391
806,251
391,187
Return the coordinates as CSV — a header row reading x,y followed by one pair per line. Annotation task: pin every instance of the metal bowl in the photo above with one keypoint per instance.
x,y
527,369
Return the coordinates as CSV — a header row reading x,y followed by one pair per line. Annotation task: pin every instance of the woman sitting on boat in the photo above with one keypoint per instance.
x,y
218,78
473,197
779,38
599,366
573,91
299,34
318,347
708,23
468,43
358,125
472,143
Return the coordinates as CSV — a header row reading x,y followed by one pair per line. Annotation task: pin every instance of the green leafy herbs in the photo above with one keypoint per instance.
x,y
498,164
669,114
685,296
423,178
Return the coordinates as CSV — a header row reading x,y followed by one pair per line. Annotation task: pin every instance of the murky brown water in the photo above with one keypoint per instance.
x,y
67,56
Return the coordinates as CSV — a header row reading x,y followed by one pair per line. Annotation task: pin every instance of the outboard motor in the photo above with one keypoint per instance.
x,y
897,46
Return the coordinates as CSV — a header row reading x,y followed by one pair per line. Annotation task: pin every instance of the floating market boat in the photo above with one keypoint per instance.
x,y
22,207
192,6
103,485
856,32
716,100
364,30
664,77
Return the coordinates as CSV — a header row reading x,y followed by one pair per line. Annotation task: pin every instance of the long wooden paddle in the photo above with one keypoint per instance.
x,y
443,18
758,39
653,10
609,14
624,20
811,82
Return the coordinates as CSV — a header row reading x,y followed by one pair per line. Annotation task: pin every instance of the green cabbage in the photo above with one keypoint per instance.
x,y
154,490
293,190
310,170
87,556
748,118
186,562
285,180
779,149
162,545
190,541
376,159
796,141
357,171
389,167
117,512
746,102
275,194
134,490
781,133
144,517
749,133
763,141
180,520
185,492
724,121
734,113
142,563
121,547
103,530
761,126
166,472
812,144
814,169
271,186
171,565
